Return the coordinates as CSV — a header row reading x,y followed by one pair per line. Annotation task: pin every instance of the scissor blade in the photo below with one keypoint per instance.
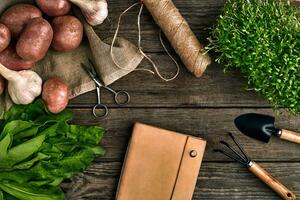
x,y
91,65
92,75
86,68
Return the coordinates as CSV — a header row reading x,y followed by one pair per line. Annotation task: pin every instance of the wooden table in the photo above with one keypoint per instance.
x,y
203,107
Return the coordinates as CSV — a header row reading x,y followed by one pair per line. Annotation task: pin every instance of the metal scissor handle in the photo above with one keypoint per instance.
x,y
122,95
119,95
100,110
99,107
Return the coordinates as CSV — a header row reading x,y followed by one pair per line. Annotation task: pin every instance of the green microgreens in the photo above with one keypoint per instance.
x,y
262,39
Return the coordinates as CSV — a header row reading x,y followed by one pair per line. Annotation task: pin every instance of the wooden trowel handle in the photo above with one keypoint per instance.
x,y
290,136
272,182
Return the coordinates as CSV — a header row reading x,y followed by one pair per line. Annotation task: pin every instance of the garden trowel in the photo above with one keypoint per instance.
x,y
261,127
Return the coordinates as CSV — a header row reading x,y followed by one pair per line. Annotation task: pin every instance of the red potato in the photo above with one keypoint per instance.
x,y
2,85
10,59
4,37
55,95
35,40
54,8
68,33
17,16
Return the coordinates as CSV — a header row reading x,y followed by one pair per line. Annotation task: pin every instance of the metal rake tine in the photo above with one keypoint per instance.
x,y
240,147
229,155
234,151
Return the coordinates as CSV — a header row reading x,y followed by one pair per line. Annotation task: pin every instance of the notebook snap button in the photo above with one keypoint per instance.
x,y
193,153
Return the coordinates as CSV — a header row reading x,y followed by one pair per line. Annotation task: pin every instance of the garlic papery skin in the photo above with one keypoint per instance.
x,y
94,11
23,86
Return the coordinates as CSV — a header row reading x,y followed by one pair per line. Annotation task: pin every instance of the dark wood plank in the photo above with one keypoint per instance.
x,y
200,14
202,107
210,123
213,89
216,181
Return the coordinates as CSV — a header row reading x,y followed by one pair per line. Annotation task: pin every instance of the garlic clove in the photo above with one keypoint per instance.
x,y
94,11
23,86
25,90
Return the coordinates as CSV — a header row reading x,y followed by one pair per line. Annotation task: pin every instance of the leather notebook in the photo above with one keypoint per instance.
x,y
160,165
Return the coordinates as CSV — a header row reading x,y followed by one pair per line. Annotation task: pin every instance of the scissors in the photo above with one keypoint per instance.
x,y
118,95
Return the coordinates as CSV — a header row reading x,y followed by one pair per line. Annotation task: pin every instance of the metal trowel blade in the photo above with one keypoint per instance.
x,y
258,126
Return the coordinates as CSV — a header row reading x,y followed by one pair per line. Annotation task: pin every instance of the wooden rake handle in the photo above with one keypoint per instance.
x,y
290,136
272,182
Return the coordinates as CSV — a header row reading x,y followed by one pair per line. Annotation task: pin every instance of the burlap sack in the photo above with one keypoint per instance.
x,y
67,66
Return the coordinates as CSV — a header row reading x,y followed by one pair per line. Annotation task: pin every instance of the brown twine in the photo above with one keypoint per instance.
x,y
140,48
179,34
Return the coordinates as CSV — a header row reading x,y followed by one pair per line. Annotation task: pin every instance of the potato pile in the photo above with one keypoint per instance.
x,y
28,31
26,34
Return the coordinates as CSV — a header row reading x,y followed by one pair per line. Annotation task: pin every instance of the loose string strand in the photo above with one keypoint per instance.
x,y
116,34
148,58
173,59
140,47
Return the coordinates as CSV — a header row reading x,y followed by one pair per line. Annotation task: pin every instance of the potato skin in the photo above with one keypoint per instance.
x,y
35,40
2,85
54,8
10,59
5,37
55,95
17,16
68,33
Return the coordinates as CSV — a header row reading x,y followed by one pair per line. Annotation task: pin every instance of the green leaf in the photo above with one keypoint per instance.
x,y
50,130
21,152
26,192
99,151
32,131
86,135
30,163
9,197
26,149
38,150
26,112
16,176
4,144
15,127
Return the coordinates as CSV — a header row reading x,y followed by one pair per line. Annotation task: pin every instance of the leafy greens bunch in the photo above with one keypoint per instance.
x,y
38,150
262,39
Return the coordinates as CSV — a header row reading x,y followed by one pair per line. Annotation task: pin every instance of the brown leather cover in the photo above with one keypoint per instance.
x,y
158,165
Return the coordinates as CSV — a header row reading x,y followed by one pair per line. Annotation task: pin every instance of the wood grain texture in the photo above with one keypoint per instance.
x,y
290,136
210,123
214,89
204,107
217,181
272,182
200,14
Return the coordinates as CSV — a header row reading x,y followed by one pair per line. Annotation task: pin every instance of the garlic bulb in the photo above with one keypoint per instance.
x,y
94,11
23,86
